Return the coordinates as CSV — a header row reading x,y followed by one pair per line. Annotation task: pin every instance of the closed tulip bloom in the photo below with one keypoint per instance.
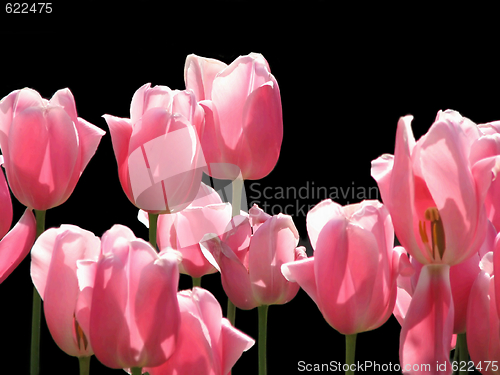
x,y
208,344
250,265
54,270
45,145
135,317
159,156
184,230
243,125
16,243
483,322
352,275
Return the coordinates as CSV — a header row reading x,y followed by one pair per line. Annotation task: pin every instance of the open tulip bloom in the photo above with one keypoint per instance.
x,y
116,297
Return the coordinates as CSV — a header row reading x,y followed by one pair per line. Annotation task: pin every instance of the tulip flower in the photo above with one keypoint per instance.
x,y
45,145
134,315
208,344
483,322
434,190
55,258
243,125
14,244
159,157
250,265
184,230
352,275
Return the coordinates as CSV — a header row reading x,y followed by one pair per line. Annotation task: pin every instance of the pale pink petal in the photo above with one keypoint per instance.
x,y
199,73
5,205
428,325
121,131
64,98
272,245
318,216
302,272
234,343
16,244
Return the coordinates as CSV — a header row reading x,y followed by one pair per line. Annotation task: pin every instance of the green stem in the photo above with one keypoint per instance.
x,y
136,370
262,339
84,365
236,208
231,312
196,281
463,353
36,315
237,192
350,350
153,225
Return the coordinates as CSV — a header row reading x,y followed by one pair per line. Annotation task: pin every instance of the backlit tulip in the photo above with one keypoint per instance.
x,y
134,317
352,275
54,270
243,125
483,322
208,344
434,190
14,244
250,265
159,156
184,230
45,145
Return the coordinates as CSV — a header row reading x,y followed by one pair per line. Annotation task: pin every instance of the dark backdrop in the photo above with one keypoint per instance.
x,y
345,75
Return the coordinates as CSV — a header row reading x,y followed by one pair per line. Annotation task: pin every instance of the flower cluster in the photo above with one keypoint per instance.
x,y
116,296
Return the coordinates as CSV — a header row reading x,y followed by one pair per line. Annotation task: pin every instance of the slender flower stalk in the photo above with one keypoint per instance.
x,y
196,281
463,353
350,350
37,307
84,365
153,225
262,340
236,204
136,371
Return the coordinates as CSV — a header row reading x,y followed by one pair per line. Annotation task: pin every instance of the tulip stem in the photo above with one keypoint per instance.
x,y
196,281
231,312
262,339
463,353
136,370
84,365
350,350
36,314
236,199
153,225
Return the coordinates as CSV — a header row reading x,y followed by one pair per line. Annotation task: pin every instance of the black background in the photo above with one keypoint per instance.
x,y
345,75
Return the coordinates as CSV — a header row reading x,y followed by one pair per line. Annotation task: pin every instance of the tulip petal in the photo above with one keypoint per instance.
x,y
234,343
199,74
5,205
318,216
302,272
428,326
16,244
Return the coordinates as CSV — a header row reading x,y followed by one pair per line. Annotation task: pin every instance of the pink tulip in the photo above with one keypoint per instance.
x,y
208,344
434,190
16,244
250,265
352,275
55,260
184,230
134,315
242,103
45,145
159,156
483,324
